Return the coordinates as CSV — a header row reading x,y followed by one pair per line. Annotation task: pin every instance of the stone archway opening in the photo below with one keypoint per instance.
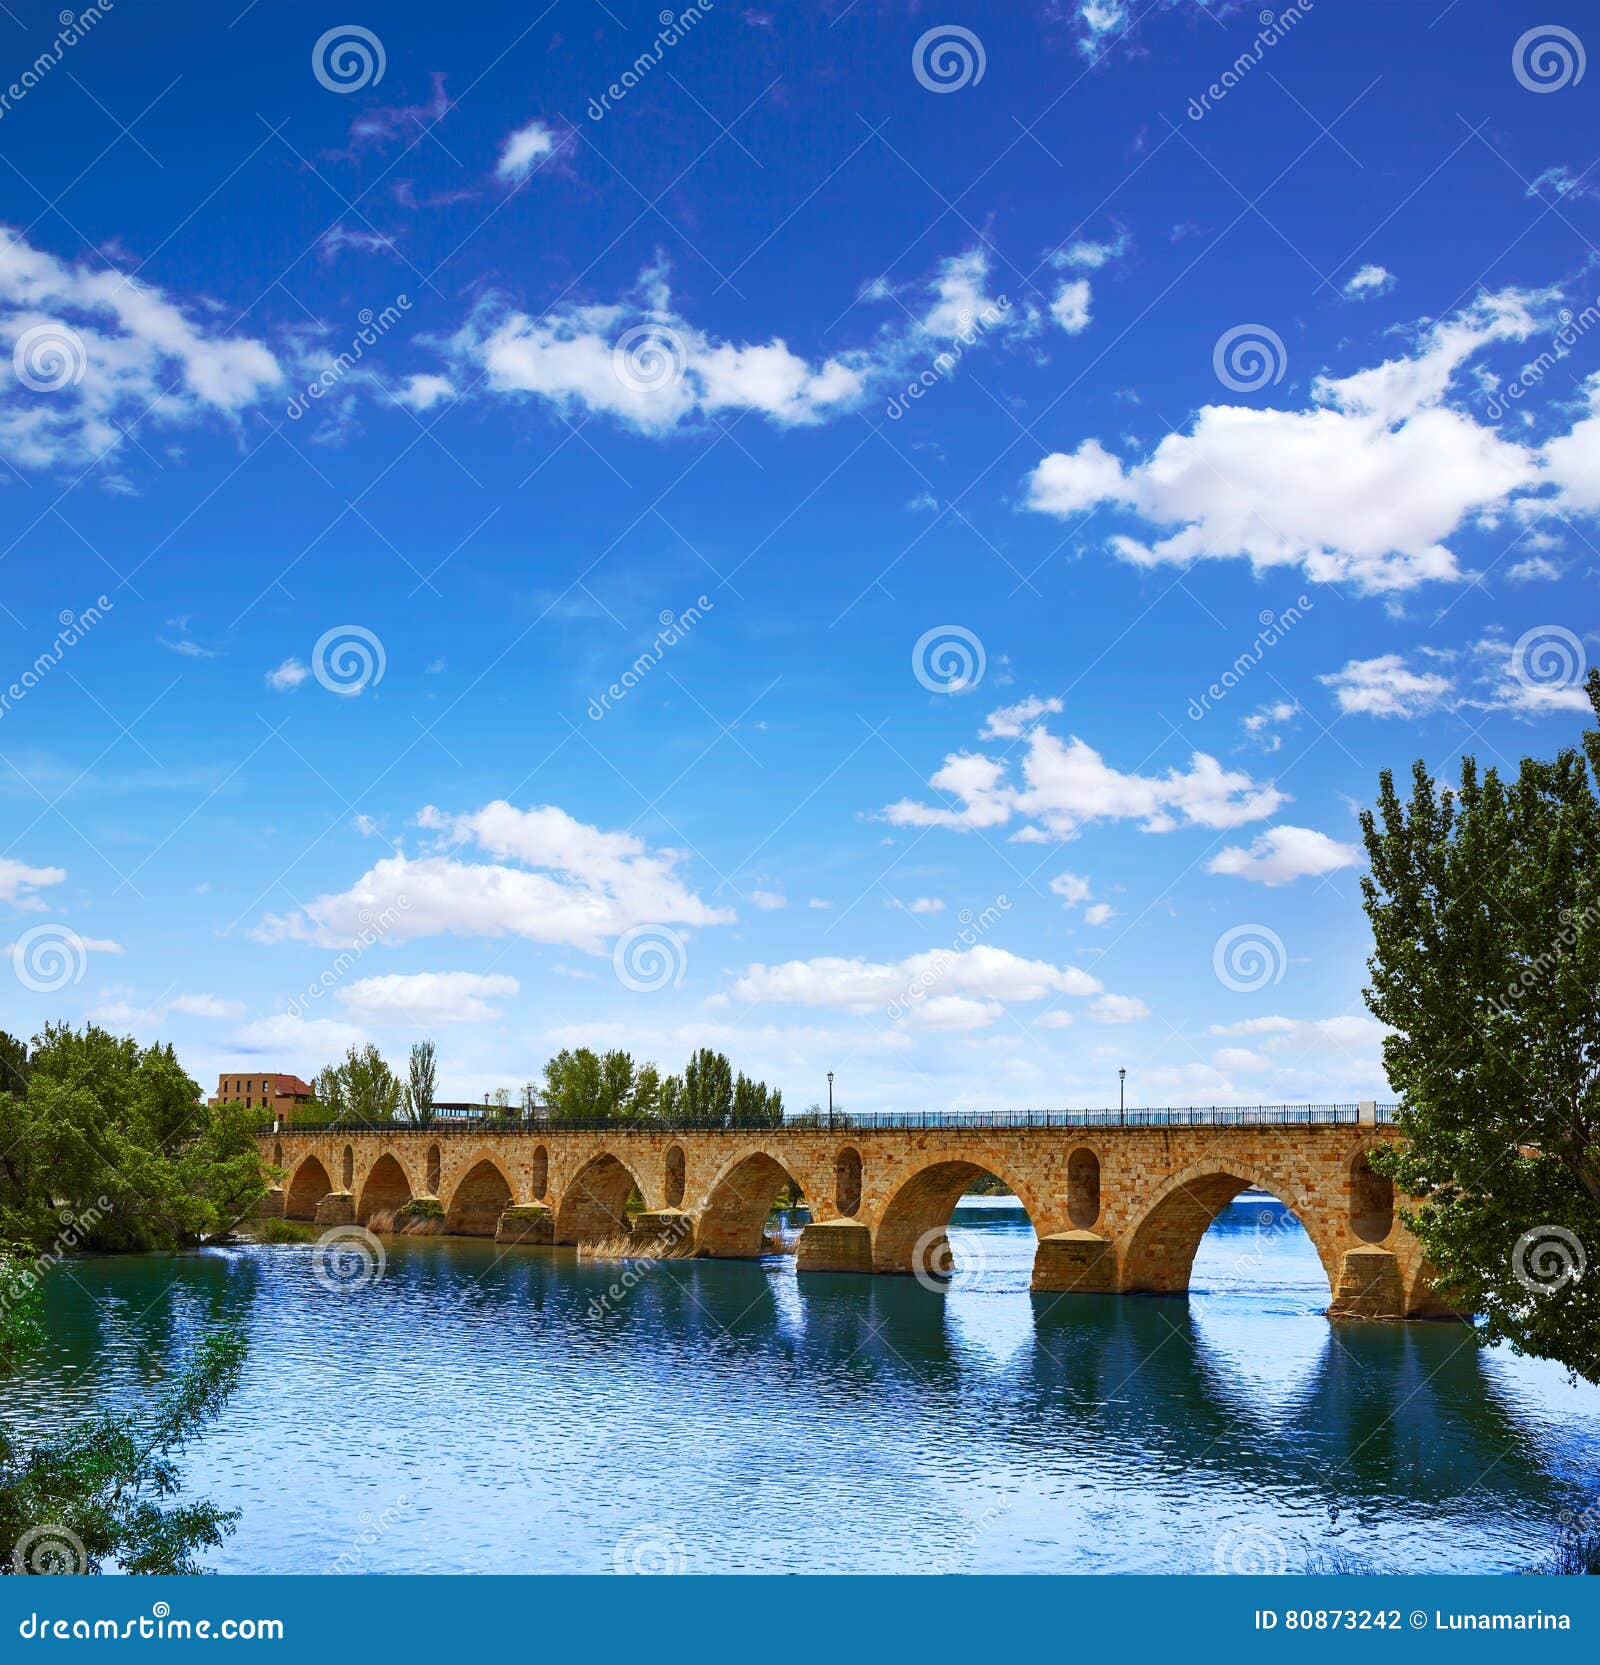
x,y
674,1177
1371,1201
594,1205
433,1170
478,1202
954,1217
349,1168
307,1188
539,1173
737,1221
847,1181
385,1191
1083,1188
1225,1235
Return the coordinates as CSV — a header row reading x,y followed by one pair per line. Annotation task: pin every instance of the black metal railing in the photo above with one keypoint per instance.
x,y
538,1121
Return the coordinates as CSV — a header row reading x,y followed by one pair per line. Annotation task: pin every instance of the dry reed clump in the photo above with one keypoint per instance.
x,y
637,1248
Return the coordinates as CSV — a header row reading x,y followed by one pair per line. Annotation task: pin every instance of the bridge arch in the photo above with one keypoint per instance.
x,y
539,1173
307,1188
433,1171
1083,1188
1161,1247
594,1201
910,1232
480,1197
385,1189
732,1223
348,1169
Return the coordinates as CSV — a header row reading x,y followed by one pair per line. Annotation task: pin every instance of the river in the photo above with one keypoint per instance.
x,y
485,1410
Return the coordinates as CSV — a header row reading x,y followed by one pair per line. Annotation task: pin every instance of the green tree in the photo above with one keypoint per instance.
x,y
572,1086
708,1089
109,1145
421,1085
361,1088
647,1093
755,1104
616,1086
92,1492
1485,910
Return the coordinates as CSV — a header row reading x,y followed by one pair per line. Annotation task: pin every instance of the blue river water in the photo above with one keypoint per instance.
x,y
484,1410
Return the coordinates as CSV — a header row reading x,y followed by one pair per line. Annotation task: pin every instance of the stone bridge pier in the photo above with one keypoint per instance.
x,y
1118,1210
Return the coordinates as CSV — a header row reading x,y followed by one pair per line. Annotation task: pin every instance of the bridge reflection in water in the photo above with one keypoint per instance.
x,y
537,1410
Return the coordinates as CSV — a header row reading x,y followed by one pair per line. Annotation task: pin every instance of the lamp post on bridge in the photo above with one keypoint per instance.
x,y
1122,1097
830,1101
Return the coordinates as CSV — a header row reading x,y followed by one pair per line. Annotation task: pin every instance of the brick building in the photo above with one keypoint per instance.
x,y
281,1094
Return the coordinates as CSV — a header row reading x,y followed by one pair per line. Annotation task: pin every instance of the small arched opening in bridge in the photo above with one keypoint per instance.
x,y
847,1181
277,1154
477,1203
956,1217
349,1168
1083,1188
385,1191
674,1176
433,1170
1226,1235
594,1205
733,1224
308,1187
539,1173
1371,1201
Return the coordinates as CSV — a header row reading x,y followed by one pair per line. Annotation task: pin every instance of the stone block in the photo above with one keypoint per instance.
x,y
667,1226
271,1206
338,1208
834,1246
1369,1286
526,1223
1080,1262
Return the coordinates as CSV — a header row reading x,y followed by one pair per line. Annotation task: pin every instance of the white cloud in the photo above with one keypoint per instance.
x,y
1087,255
522,149
428,997
1067,784
1053,1020
1572,460
207,1006
301,1041
1118,1008
1011,720
1362,487
943,988
1369,281
819,903
769,901
290,674
1387,687
1072,888
1099,20
1070,308
1282,854
423,391
1261,722
641,362
571,884
1099,913
18,882
1533,569
113,353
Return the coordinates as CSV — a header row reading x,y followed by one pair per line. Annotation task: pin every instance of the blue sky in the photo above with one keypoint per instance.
x,y
883,539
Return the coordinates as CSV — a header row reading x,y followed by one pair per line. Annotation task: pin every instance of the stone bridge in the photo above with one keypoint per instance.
x,y
1116,1209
